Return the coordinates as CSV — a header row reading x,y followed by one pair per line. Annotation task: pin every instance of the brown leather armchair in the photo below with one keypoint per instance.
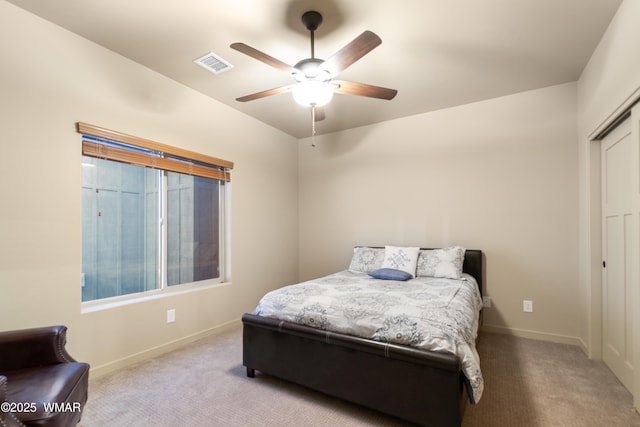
x,y
40,383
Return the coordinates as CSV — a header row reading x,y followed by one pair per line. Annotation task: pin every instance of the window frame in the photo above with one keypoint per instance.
x,y
99,143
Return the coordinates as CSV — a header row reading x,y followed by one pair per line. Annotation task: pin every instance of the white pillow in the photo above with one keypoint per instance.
x,y
401,258
446,262
366,259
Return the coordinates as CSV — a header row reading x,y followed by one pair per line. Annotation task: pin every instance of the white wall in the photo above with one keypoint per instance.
x,y
613,72
499,175
608,84
49,80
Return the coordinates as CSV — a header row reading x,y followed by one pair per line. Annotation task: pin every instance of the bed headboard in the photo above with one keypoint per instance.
x,y
473,266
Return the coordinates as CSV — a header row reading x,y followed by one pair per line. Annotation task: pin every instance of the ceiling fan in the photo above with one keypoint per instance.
x,y
315,78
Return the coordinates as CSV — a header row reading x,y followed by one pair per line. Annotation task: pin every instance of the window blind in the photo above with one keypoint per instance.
x,y
111,145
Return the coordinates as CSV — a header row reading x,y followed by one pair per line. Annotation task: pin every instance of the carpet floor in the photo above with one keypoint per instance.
x,y
527,383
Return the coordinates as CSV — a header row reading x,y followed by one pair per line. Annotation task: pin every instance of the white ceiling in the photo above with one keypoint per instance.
x,y
436,53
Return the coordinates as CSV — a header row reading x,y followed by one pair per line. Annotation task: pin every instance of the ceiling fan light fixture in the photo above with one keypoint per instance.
x,y
313,93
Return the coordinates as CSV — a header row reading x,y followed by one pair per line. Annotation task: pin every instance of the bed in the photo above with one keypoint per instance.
x,y
423,384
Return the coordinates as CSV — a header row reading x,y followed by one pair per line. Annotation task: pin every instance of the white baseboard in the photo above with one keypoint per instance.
x,y
541,336
102,370
583,345
107,368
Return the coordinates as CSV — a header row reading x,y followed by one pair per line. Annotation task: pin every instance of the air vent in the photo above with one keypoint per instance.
x,y
213,63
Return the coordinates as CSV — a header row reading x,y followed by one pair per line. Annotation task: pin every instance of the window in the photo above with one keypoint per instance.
x,y
152,215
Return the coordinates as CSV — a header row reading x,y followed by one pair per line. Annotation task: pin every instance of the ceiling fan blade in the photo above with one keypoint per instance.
x,y
318,114
264,93
361,89
349,54
261,56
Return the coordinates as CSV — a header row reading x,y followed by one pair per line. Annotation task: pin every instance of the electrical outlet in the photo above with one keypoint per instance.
x,y
527,306
486,301
171,315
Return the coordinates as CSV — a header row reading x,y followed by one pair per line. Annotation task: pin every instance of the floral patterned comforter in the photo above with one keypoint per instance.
x,y
427,313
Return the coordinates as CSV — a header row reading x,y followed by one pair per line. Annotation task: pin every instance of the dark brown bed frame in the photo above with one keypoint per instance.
x,y
423,387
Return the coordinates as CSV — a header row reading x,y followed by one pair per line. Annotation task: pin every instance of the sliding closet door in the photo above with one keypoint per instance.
x,y
620,236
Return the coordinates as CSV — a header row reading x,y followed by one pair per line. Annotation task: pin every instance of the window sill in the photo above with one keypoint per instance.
x,y
119,301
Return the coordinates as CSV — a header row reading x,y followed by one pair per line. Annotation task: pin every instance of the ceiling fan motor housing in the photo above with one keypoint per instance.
x,y
308,70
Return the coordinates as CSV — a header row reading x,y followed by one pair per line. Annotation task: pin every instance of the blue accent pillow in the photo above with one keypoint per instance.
x,y
390,274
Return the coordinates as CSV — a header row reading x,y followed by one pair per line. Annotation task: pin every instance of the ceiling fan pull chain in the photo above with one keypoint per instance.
x,y
313,125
